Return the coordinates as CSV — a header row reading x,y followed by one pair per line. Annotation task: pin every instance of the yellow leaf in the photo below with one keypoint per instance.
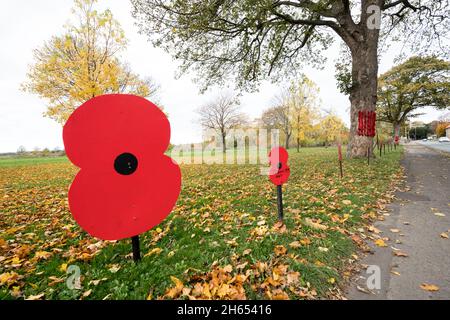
x,y
8,278
429,287
346,202
246,252
155,251
308,222
42,255
381,243
114,268
444,235
63,267
280,250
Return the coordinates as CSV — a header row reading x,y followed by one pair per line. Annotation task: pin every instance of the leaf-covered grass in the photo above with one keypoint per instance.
x,y
221,241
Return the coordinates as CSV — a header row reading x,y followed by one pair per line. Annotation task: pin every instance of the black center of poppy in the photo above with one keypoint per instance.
x,y
280,165
125,164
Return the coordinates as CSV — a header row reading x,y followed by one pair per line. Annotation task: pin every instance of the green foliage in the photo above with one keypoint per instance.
x,y
416,83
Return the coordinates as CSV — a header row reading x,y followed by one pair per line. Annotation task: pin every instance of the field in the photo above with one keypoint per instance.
x,y
220,242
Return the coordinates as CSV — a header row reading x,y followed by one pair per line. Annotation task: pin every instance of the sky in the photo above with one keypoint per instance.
x,y
25,25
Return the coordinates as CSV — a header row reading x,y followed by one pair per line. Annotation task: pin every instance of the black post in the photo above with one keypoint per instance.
x,y
379,147
384,148
368,155
340,167
280,203
136,248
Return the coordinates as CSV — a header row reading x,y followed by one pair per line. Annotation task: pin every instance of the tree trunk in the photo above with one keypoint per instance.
x,y
288,136
224,146
298,133
396,129
363,95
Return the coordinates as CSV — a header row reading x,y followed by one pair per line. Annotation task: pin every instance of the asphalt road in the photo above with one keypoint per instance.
x,y
441,146
417,218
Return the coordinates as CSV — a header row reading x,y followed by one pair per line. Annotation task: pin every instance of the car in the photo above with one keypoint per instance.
x,y
444,139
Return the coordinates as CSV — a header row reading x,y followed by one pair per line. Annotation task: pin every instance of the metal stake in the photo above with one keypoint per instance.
x,y
136,248
280,203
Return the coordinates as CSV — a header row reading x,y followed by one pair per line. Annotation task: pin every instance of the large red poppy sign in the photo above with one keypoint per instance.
x,y
279,170
126,185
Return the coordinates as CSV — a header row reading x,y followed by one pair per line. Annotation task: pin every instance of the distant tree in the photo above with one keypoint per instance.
x,y
279,117
252,40
416,83
45,152
21,150
418,133
222,114
331,127
441,129
303,100
83,63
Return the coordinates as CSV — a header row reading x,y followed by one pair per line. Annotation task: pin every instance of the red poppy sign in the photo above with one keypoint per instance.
x,y
126,185
279,170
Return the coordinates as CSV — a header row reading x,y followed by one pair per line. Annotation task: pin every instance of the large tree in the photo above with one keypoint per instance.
x,y
83,63
254,39
416,83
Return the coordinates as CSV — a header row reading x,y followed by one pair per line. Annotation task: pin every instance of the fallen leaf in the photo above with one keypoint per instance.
x,y
280,250
36,297
439,214
114,268
444,235
346,202
308,222
228,268
87,293
380,243
400,254
154,251
295,244
246,252
429,287
42,255
395,230
63,267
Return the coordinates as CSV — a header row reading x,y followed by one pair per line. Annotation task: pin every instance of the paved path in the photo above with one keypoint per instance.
x,y
417,214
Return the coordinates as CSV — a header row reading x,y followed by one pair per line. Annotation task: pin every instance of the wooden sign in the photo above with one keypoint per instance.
x,y
126,185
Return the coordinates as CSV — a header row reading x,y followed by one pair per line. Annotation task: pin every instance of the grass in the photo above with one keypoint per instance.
x,y
220,241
